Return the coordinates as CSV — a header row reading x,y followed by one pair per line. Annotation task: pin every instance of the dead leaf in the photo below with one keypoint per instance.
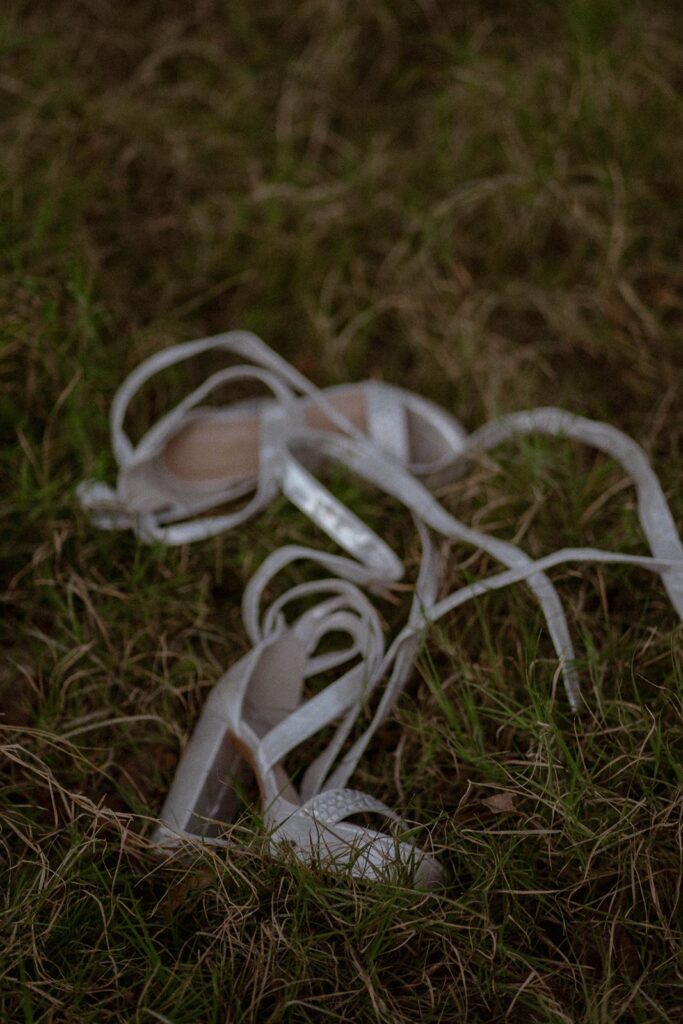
x,y
501,803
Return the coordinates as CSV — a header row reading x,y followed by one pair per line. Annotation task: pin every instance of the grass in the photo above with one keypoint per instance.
x,y
478,201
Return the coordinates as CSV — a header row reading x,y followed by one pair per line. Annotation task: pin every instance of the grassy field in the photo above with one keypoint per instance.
x,y
482,202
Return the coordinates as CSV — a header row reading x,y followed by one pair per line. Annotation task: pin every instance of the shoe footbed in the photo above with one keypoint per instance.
x,y
219,800
211,450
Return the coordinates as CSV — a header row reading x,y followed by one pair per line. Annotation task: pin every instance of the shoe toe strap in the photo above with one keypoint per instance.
x,y
319,829
334,805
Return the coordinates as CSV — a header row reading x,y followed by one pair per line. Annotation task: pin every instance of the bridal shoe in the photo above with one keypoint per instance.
x,y
195,458
255,716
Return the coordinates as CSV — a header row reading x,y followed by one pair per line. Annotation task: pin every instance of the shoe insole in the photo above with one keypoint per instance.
x,y
211,450
273,694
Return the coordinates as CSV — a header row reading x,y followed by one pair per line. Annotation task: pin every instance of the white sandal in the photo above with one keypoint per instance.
x,y
196,458
254,717
271,446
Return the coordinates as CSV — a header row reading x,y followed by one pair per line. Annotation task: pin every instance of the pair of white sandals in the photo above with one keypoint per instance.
x,y
199,458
